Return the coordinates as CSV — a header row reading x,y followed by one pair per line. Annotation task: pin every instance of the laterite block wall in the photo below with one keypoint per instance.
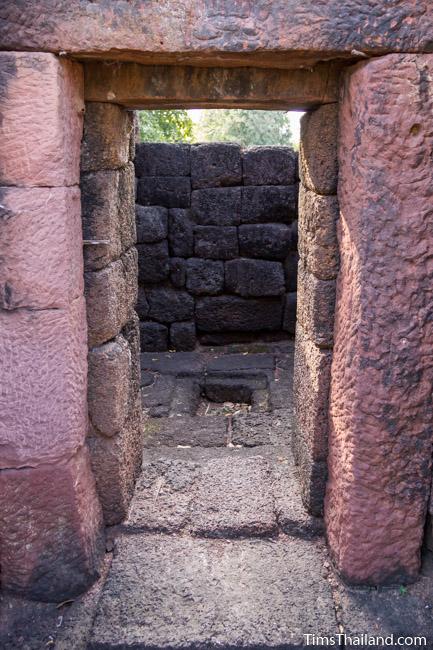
x,y
217,238
317,272
110,275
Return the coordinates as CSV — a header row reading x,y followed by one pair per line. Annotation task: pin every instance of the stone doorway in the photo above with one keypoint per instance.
x,y
366,426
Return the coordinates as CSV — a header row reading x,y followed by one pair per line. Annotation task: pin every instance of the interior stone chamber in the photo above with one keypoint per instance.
x,y
70,426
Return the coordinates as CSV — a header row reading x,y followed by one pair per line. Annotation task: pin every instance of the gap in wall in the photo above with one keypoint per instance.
x,y
216,228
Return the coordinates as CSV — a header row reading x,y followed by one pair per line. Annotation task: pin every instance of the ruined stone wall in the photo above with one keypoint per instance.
x,y
318,268
110,274
217,237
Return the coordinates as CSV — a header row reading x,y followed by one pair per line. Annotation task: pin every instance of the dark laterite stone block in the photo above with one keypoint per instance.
x,y
267,204
162,159
248,277
153,337
169,305
215,165
142,306
197,431
180,364
204,277
232,313
166,191
153,262
291,270
183,336
269,241
289,314
215,242
178,272
217,206
180,233
152,224
269,166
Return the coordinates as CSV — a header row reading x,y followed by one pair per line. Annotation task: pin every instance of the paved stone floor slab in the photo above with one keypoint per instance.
x,y
220,492
196,431
182,364
177,592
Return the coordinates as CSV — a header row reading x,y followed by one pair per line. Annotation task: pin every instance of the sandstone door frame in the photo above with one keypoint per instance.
x,y
61,563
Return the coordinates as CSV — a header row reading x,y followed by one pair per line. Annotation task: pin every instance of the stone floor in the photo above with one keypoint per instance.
x,y
218,551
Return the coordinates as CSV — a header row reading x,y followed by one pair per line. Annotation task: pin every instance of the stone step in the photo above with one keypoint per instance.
x,y
170,592
220,492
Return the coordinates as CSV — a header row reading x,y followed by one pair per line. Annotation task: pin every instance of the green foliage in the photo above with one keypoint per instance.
x,y
165,126
247,127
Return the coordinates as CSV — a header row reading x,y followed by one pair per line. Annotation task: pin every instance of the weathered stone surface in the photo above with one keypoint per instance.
x,y
194,87
153,337
269,166
41,559
276,39
258,429
216,242
111,294
153,262
177,272
128,230
168,305
116,463
131,332
311,393
183,336
269,203
392,613
215,165
289,313
41,260
152,224
44,384
142,306
380,402
219,206
231,389
222,512
235,363
109,379
204,276
277,586
312,474
107,130
254,277
316,307
54,88
180,233
159,393
181,364
269,241
219,313
291,270
162,159
100,217
196,431
318,166
186,397
168,191
318,245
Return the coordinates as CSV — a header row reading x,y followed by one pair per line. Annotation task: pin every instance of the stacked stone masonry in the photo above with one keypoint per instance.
x,y
110,273
217,239
317,272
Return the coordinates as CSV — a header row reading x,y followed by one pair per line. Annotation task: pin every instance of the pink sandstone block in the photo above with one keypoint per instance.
x,y
42,253
43,401
51,539
41,99
382,374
